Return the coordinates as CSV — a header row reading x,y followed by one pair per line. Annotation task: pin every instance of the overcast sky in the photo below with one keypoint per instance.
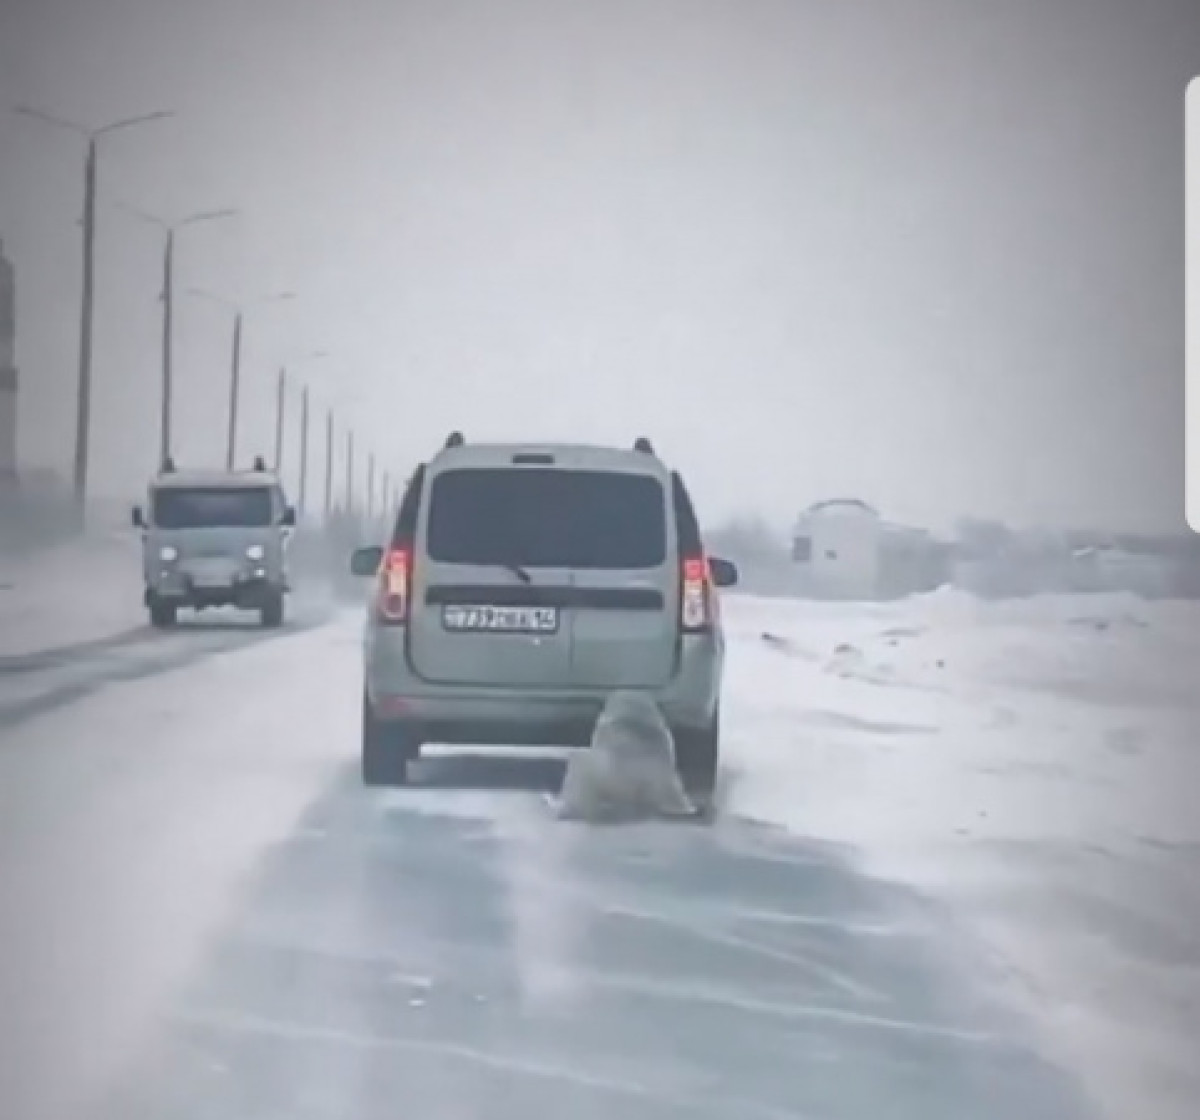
x,y
927,253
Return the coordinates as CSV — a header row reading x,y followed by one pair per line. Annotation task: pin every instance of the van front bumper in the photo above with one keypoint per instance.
x,y
246,591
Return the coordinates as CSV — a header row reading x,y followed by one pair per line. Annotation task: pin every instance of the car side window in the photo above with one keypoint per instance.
x,y
691,542
410,509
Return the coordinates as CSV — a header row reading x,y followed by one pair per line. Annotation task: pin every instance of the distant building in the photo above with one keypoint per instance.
x,y
844,549
1110,567
838,543
8,369
912,561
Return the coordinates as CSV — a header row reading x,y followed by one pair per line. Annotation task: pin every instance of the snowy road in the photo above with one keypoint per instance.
x,y
206,916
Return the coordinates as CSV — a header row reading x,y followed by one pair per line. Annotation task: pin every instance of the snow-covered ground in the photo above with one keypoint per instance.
x,y
78,592
1032,766
1035,765
128,823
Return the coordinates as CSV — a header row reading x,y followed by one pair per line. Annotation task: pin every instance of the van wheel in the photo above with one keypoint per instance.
x,y
163,615
271,613
697,759
386,751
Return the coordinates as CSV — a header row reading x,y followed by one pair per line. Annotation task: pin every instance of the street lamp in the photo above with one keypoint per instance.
x,y
168,298
281,400
346,403
235,372
329,465
370,487
313,356
343,404
83,417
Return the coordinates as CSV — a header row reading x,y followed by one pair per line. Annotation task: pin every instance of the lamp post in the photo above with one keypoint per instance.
x,y
305,414
370,486
235,369
170,229
83,415
280,407
329,457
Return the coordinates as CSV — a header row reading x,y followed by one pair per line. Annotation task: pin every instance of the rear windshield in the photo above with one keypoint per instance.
x,y
538,518
213,508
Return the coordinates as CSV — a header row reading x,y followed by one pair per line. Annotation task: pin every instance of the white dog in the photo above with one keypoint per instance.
x,y
629,771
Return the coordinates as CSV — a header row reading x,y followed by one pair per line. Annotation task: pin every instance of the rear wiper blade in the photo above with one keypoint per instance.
x,y
519,572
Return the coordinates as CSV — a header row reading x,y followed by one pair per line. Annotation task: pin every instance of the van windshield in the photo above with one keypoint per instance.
x,y
547,518
214,508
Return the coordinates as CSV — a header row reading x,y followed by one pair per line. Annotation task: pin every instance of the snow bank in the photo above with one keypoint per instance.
x,y
78,592
127,850
1034,763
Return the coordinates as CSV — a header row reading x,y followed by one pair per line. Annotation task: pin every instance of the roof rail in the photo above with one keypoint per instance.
x,y
455,439
643,445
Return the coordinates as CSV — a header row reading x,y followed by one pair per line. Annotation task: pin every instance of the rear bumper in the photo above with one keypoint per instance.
x,y
490,724
558,717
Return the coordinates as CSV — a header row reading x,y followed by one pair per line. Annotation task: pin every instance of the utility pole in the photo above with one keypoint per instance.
x,y
235,386
280,408
328,466
370,486
83,414
168,386
303,494
83,408
239,310
349,473
166,442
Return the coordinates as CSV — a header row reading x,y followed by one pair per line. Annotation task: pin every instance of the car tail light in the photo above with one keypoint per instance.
x,y
395,586
695,604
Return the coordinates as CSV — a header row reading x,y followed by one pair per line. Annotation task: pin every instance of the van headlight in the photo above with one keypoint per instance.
x,y
256,552
167,554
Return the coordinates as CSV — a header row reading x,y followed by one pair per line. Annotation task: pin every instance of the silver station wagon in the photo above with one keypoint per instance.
x,y
524,584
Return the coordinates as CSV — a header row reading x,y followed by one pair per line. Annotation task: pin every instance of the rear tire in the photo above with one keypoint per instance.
x,y
163,615
386,751
697,760
272,612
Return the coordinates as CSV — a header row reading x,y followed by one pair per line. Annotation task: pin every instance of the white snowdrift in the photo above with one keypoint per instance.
x,y
1035,763
78,592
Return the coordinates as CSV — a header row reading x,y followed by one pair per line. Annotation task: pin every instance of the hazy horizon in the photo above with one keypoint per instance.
x,y
929,255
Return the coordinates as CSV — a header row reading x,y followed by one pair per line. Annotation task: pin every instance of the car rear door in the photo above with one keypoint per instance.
x,y
625,581
490,597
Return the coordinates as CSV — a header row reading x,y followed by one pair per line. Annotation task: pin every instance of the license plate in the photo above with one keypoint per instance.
x,y
212,575
501,620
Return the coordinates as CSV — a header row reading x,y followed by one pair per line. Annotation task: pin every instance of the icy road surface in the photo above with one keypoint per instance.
x,y
954,875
